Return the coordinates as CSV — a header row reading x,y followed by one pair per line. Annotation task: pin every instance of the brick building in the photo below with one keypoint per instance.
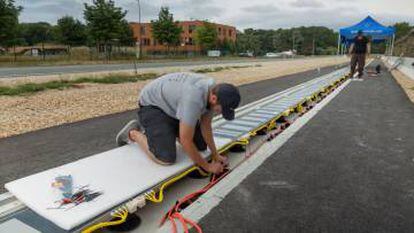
x,y
187,40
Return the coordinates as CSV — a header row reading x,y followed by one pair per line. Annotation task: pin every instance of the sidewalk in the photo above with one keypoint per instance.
x,y
350,169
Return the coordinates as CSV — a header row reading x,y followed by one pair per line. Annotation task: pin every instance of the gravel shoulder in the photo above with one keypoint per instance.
x,y
405,82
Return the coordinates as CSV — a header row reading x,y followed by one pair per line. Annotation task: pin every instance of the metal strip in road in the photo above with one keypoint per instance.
x,y
244,123
236,127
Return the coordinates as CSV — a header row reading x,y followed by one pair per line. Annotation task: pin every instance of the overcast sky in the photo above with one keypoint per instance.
x,y
266,14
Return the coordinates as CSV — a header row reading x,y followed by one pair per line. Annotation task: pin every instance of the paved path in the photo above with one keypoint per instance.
x,y
33,152
349,169
70,69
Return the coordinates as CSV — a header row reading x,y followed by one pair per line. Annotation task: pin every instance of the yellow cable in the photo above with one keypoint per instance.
x,y
151,196
122,214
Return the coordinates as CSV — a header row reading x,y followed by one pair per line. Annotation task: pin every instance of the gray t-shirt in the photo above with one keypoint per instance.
x,y
183,96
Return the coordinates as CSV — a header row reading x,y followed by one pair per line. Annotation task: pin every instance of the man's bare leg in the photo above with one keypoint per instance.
x,y
140,138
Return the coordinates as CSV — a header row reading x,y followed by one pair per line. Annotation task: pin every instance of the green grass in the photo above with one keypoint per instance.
x,y
220,68
30,88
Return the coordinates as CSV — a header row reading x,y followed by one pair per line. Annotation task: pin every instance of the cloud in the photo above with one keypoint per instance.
x,y
307,4
260,9
240,13
49,11
300,17
149,11
196,9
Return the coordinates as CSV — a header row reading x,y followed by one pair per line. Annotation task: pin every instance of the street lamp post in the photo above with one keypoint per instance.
x,y
140,30
43,44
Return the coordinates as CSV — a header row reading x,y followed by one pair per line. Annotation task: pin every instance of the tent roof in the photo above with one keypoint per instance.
x,y
369,27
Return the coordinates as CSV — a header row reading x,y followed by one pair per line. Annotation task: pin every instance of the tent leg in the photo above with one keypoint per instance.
x,y
339,43
386,47
392,44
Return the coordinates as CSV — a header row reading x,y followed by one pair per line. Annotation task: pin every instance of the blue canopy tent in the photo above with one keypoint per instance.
x,y
371,28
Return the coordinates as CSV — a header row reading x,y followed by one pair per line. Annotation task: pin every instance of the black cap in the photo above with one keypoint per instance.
x,y
228,97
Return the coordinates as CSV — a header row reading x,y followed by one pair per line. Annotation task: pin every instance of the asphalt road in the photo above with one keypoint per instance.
x,y
70,69
349,169
33,152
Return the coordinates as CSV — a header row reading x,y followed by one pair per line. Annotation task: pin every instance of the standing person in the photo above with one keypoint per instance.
x,y
181,105
359,50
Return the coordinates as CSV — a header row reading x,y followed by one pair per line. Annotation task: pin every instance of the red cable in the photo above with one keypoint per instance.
x,y
173,225
174,212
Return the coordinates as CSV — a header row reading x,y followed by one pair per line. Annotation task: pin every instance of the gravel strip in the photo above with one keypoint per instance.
x,y
405,82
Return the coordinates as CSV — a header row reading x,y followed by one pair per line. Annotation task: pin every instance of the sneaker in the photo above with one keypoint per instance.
x,y
123,136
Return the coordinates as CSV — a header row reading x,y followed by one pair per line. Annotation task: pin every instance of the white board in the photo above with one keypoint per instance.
x,y
121,174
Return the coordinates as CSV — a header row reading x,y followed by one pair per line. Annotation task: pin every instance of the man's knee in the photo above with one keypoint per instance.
x,y
163,152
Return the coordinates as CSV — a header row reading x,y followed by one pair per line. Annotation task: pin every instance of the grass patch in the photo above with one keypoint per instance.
x,y
30,88
220,68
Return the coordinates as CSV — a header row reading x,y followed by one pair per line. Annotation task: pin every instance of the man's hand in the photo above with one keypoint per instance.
x,y
222,159
215,167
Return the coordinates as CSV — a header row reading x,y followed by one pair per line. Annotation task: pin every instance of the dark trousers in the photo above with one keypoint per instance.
x,y
162,131
357,59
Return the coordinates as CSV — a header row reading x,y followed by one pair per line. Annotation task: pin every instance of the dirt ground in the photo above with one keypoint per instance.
x,y
20,114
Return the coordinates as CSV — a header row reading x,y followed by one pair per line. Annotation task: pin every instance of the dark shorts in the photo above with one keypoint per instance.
x,y
162,131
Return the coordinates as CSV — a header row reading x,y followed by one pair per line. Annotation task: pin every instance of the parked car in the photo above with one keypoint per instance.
x,y
246,54
289,53
273,55
214,53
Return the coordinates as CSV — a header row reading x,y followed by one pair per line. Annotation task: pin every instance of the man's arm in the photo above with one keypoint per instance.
x,y
186,140
207,132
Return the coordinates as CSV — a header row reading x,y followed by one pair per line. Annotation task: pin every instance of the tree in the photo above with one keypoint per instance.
x,y
105,22
306,40
70,31
402,29
282,40
34,33
206,36
9,20
297,40
127,36
165,30
227,46
248,41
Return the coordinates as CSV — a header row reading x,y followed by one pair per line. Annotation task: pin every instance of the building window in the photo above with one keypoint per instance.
x,y
230,32
219,31
191,28
224,32
142,28
190,41
146,41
